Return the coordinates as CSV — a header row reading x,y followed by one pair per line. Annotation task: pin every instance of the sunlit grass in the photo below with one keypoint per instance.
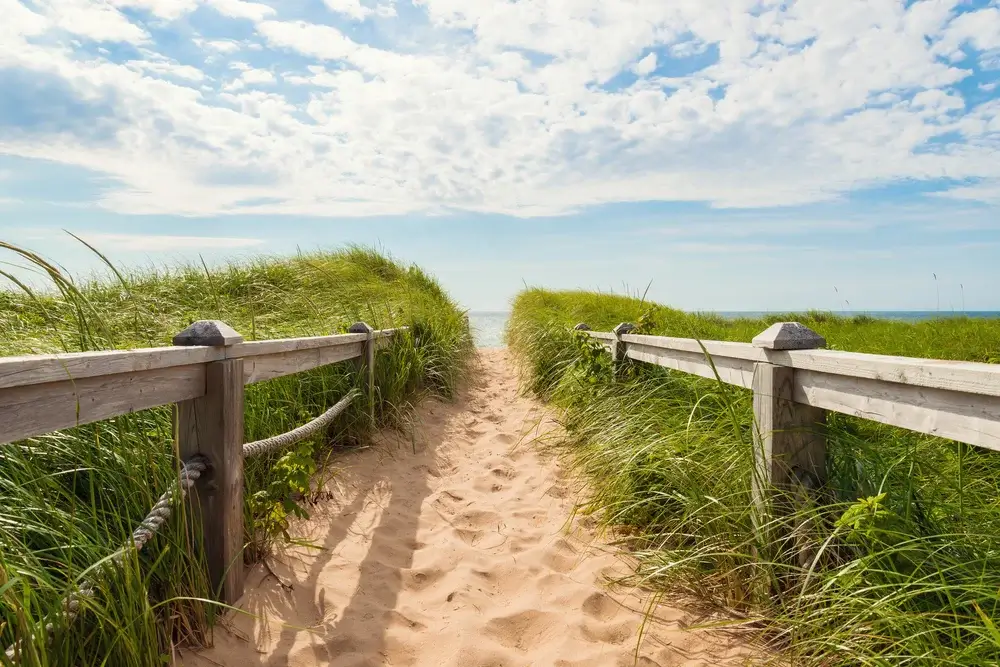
x,y
898,561
69,499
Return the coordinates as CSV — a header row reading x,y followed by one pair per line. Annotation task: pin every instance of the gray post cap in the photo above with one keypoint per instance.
x,y
360,327
623,328
581,327
208,332
789,336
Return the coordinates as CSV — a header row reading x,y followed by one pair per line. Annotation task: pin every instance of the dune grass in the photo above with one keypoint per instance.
x,y
69,499
896,563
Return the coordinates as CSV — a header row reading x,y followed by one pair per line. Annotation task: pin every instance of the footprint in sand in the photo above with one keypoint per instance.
x,y
600,606
525,630
561,557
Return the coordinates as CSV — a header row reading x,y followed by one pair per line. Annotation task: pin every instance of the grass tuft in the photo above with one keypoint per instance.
x,y
896,563
69,499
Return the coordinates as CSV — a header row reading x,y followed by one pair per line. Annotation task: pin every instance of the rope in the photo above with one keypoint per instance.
x,y
189,474
252,449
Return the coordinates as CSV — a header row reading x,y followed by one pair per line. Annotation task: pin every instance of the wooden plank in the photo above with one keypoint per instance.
x,y
281,345
41,408
716,348
966,377
212,426
738,372
602,335
268,367
44,368
966,417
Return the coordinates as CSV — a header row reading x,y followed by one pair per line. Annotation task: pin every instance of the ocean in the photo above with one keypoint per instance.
x,y
488,327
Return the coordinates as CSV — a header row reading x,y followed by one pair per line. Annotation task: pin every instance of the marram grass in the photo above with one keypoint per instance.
x,y
71,498
898,563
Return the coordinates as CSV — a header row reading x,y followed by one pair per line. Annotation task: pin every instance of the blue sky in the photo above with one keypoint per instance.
x,y
731,154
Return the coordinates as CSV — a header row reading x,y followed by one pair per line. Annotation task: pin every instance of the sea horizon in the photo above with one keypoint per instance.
x,y
488,325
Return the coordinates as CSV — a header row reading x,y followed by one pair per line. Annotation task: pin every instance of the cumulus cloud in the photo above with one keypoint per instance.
x,y
645,66
164,243
516,108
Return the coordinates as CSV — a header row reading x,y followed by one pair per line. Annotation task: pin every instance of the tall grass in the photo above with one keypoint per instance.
x,y
70,499
895,562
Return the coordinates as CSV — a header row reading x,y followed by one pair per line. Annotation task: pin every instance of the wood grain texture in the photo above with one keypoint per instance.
x,y
269,367
41,408
212,426
716,348
788,436
965,417
966,377
278,346
738,372
42,369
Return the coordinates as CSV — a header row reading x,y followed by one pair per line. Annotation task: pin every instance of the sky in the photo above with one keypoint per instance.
x,y
723,154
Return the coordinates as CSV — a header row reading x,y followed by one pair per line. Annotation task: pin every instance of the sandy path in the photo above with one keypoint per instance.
x,y
450,548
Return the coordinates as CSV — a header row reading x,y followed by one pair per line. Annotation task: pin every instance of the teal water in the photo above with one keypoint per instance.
x,y
487,327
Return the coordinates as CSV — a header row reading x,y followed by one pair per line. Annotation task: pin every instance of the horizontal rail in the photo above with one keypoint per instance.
x,y
45,368
950,399
44,393
41,408
731,371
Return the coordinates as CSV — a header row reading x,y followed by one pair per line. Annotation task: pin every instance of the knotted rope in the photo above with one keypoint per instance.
x,y
190,472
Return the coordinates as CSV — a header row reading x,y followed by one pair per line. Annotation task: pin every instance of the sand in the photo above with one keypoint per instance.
x,y
453,546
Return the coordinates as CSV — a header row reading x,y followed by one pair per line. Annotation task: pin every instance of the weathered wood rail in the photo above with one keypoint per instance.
x,y
203,376
795,383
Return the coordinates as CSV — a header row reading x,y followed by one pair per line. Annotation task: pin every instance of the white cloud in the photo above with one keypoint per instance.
x,y
645,66
163,243
168,68
350,8
503,107
223,46
241,9
93,19
164,9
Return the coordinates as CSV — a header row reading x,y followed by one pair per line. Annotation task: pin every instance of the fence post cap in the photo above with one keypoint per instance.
x,y
623,328
581,327
360,327
789,336
208,332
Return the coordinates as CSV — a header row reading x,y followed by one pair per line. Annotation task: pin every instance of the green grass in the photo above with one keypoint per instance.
x,y
896,563
68,500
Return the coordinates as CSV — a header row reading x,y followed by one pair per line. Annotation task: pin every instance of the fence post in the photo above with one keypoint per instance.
x,y
581,327
619,347
789,442
212,426
366,365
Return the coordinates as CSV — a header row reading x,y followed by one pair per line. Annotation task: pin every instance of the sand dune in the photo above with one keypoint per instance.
x,y
452,547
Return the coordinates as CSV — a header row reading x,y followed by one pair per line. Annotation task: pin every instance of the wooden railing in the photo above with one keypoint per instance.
x,y
203,376
795,383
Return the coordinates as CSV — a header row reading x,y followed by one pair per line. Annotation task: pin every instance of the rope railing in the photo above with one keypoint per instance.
x,y
157,517
259,447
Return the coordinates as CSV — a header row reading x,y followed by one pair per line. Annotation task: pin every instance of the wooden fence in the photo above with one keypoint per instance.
x,y
202,376
795,383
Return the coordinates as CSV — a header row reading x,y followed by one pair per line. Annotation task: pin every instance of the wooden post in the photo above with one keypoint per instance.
x,y
366,365
212,426
619,347
790,445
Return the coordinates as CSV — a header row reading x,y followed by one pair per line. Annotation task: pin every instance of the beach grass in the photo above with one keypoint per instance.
x,y
895,562
69,499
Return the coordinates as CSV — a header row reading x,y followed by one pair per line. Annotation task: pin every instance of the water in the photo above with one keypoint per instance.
x,y
487,327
